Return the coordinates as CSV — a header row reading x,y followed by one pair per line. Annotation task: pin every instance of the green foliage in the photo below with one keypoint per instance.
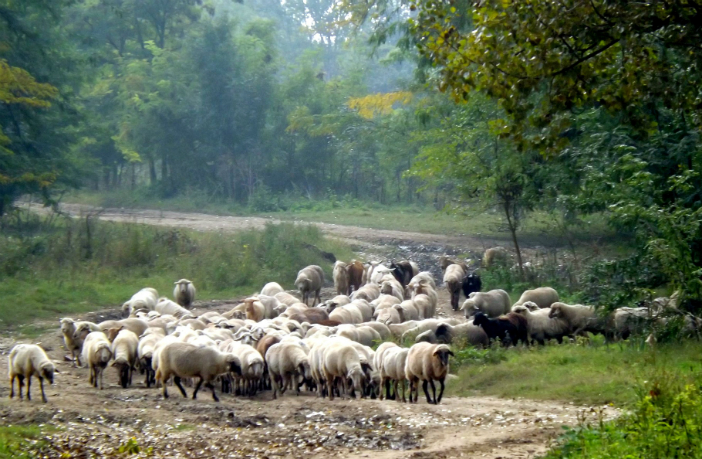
x,y
73,265
20,442
587,373
666,421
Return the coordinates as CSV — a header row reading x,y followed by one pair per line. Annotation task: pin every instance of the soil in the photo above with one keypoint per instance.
x,y
139,422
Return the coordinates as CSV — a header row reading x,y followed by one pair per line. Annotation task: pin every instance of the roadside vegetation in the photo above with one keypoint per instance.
x,y
52,266
21,441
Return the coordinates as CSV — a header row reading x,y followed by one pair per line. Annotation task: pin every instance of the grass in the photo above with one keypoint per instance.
x,y
20,441
538,227
73,266
585,374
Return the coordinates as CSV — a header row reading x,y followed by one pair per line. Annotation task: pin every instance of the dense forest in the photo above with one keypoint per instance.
x,y
573,108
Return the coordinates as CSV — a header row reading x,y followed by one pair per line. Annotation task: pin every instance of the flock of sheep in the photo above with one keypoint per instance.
x,y
275,340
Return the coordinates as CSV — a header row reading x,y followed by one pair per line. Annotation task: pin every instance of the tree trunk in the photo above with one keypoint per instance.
x,y
513,229
152,171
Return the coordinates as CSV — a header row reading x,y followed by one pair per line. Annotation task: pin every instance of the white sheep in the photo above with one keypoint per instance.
x,y
427,363
364,335
183,360
425,300
287,362
463,334
424,276
251,367
366,309
341,278
493,303
393,370
257,311
580,318
272,289
97,353
384,302
407,310
166,306
184,293
368,292
495,255
310,280
145,352
453,278
341,360
143,300
286,298
348,314
542,328
544,297
388,316
382,329
74,345
390,286
124,350
25,361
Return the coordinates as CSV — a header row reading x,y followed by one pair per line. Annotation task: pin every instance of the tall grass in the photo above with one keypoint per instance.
x,y
50,267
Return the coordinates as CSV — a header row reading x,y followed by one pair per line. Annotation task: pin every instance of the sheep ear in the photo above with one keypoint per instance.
x,y
56,370
451,353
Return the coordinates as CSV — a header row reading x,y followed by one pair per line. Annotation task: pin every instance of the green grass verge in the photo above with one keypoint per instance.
x,y
584,374
20,442
76,265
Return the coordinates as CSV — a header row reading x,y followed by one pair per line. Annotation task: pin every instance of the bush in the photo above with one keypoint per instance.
x,y
665,423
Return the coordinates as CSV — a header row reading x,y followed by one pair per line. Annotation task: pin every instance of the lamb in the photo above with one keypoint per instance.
x,y
272,289
341,360
166,306
183,360
392,370
580,319
25,361
493,303
355,271
541,327
143,300
145,352
428,363
341,278
310,280
124,350
97,353
453,278
510,325
287,362
453,334
368,292
184,293
68,329
544,297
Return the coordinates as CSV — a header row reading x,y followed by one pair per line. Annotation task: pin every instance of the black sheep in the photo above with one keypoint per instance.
x,y
510,326
471,283
402,271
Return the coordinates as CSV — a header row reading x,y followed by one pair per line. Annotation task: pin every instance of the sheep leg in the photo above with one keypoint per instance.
x,y
176,380
12,386
29,387
102,376
20,384
425,386
433,390
330,385
197,388
388,395
214,395
441,392
384,383
43,395
402,385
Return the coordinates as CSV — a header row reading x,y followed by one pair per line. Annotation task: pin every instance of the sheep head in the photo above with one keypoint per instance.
x,y
530,305
442,353
556,311
47,371
521,309
68,327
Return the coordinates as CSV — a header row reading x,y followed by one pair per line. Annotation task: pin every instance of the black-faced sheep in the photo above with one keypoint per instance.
x,y
509,328
184,293
97,353
25,361
541,327
183,360
427,363
145,352
287,363
341,360
124,350
310,281
454,334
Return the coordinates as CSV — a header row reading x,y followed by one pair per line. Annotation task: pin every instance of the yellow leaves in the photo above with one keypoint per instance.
x,y
372,105
17,86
